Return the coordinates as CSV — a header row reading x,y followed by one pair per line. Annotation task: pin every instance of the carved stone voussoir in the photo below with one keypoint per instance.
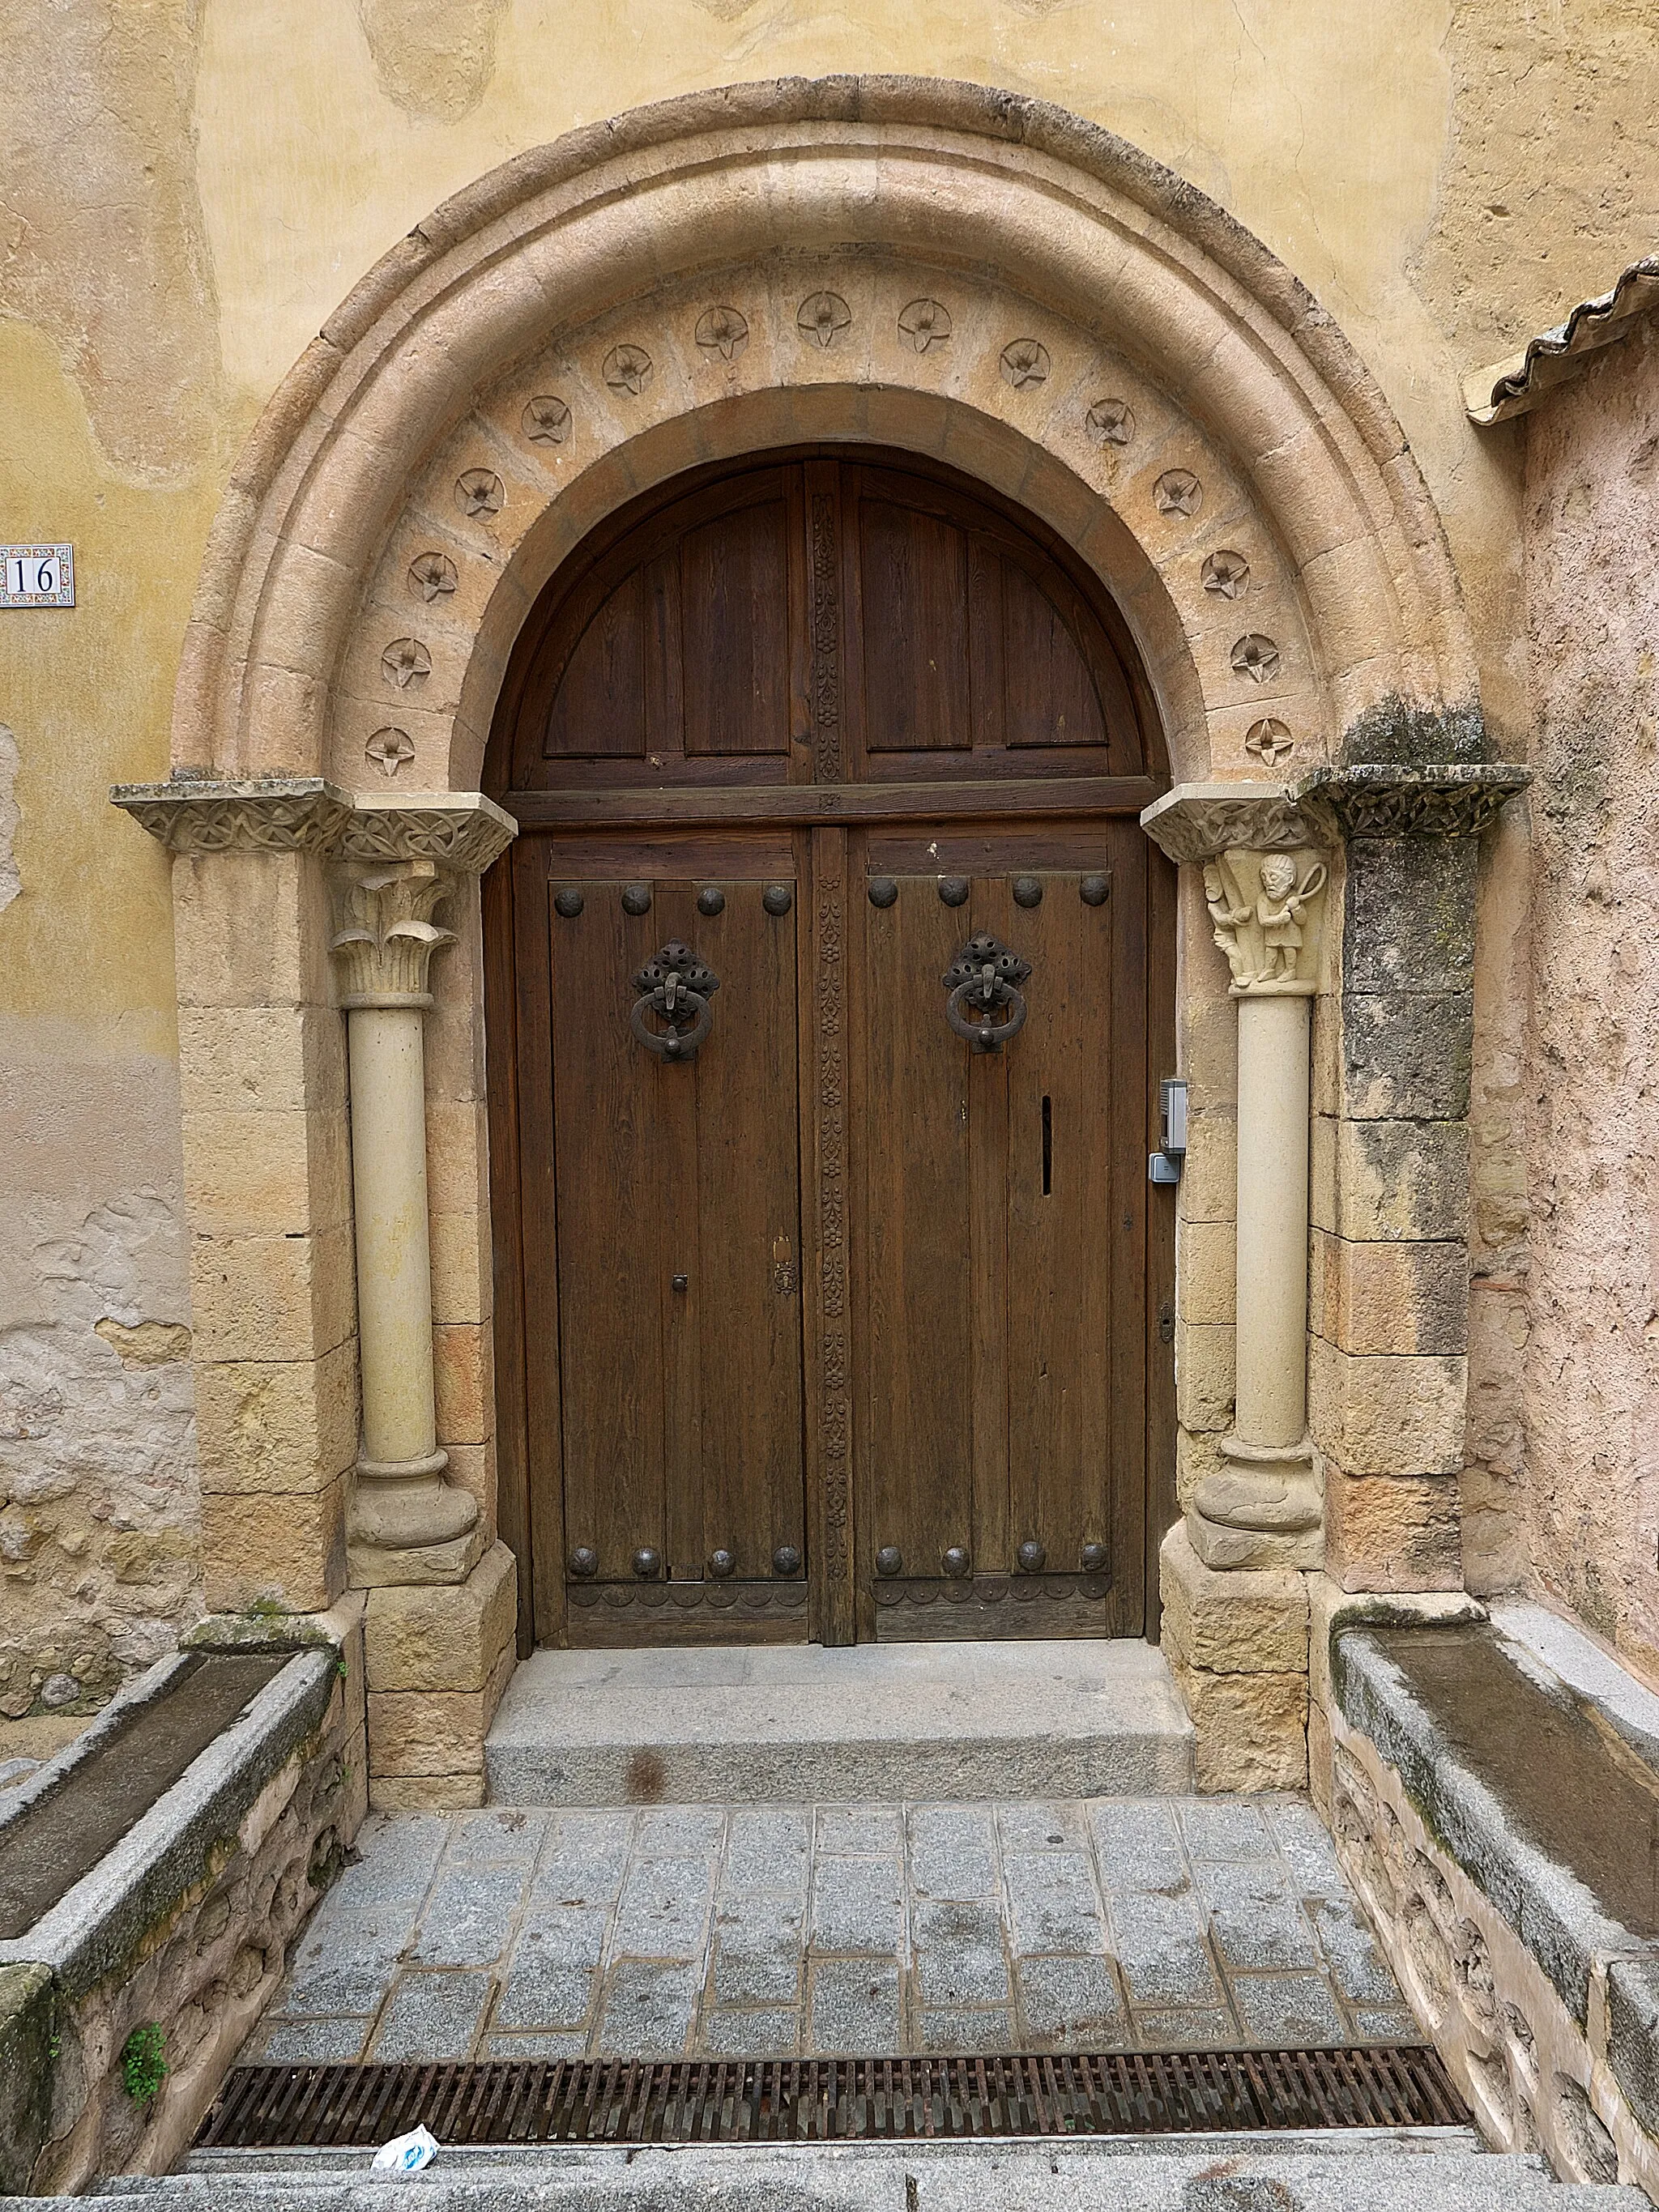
x,y
462,830
1375,799
261,814
1198,821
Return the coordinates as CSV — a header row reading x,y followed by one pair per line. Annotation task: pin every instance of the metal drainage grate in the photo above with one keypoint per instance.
x,y
834,2099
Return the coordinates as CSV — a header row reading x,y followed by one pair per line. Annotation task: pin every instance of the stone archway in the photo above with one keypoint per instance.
x,y
933,266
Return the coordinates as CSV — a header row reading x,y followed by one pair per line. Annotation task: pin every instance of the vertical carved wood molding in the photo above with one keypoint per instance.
x,y
829,1367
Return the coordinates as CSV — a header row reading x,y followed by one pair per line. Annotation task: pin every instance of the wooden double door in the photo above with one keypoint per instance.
x,y
832,1298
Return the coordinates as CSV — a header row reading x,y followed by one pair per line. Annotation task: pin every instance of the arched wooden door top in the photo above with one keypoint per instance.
x,y
873,621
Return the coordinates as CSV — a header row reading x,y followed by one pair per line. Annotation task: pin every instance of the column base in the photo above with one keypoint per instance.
x,y
1265,1509
408,1525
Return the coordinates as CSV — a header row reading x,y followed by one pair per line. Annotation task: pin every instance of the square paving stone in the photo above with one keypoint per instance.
x,y
398,1855
859,1831
1264,1937
1287,2009
1137,1847
768,1847
1037,1827
1208,2028
1305,1845
663,1912
959,1958
1243,1881
648,2009
346,1962
856,1906
1053,1902
1358,1967
951,1851
583,1858
967,2030
757,1957
543,1992
674,1831
565,2044
1073,2000
1161,1952
1222,1828
1388,2024
855,2008
504,1835
574,1935
770,2032
468,1917
432,2015
307,2042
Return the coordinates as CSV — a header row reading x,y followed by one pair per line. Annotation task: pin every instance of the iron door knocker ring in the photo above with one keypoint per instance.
x,y
985,974
676,987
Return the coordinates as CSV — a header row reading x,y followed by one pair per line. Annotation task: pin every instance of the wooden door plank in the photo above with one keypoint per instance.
x,y
915,1426
611,805
507,1240
986,1075
823,995
607,1162
746,1490
1162,1507
1128,849
543,1412
675,1177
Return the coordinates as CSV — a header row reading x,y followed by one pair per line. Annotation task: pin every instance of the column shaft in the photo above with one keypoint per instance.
x,y
1273,1221
394,1272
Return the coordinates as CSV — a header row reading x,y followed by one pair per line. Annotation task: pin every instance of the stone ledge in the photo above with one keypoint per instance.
x,y
1497,1795
104,1917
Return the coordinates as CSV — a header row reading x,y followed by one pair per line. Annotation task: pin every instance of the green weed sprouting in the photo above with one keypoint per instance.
x,y
143,2061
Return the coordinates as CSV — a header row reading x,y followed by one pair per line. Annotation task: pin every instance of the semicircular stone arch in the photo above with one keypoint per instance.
x,y
929,267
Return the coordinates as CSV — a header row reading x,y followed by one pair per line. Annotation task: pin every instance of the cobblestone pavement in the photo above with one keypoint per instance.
x,y
756,1931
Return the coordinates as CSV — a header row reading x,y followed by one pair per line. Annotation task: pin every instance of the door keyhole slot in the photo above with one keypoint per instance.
x,y
1048,1147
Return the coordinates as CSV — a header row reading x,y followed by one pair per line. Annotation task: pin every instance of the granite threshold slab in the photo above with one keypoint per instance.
x,y
872,1723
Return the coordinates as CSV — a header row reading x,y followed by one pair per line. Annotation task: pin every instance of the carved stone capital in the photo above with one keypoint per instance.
x,y
1267,910
463,829
385,936
1451,798
258,814
1197,821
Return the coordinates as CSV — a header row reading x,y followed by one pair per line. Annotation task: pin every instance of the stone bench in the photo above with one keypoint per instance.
x,y
1495,1798
151,1876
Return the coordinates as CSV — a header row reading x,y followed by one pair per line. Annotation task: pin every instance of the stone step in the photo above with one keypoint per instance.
x,y
1217,2174
788,1724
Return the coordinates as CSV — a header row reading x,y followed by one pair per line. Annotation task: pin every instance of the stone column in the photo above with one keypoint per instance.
x,y
407,1523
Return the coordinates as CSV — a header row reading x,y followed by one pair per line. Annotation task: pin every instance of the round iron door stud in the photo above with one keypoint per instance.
x,y
1027,890
648,1564
953,889
584,1561
1093,889
882,890
636,898
1030,1555
889,1561
778,898
956,1562
1094,1558
711,900
785,1560
568,903
722,1564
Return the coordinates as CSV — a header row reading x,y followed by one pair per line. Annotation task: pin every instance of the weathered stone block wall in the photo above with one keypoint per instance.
x,y
202,1968
1591,1503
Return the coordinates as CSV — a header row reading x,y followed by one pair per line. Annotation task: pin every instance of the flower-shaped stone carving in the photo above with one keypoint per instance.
x,y
821,317
1270,741
405,661
1112,420
925,323
546,420
480,491
722,330
1227,574
1178,491
432,576
628,368
389,748
1255,657
1024,363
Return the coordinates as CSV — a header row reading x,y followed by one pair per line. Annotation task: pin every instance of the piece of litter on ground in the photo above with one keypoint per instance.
x,y
406,2154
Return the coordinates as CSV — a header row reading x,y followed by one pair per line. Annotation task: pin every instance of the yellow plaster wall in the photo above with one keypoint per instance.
x,y
187,187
